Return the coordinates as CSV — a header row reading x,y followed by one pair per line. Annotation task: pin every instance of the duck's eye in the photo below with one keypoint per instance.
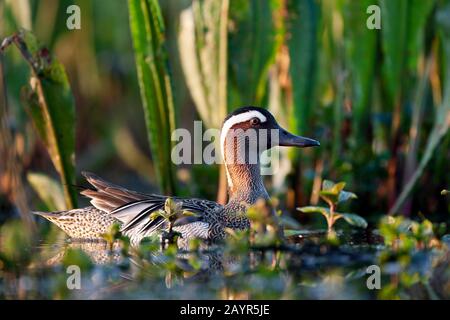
x,y
255,121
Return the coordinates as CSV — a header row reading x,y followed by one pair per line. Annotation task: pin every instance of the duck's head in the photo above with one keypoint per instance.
x,y
246,133
249,131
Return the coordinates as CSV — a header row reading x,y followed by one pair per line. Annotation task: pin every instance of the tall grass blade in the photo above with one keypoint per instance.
x,y
302,28
360,45
256,34
442,117
203,47
394,30
147,31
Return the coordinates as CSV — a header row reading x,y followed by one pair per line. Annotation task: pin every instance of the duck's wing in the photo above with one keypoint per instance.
x,y
107,196
134,208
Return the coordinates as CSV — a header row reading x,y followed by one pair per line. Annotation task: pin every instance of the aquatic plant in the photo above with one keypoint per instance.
x,y
334,194
171,212
413,258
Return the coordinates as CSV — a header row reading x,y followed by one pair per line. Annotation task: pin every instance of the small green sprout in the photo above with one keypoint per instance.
x,y
404,235
333,194
173,210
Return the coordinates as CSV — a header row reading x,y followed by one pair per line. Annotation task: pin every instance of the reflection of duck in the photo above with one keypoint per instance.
x,y
246,133
98,251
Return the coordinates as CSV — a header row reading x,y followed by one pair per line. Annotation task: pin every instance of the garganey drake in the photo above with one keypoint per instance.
x,y
241,154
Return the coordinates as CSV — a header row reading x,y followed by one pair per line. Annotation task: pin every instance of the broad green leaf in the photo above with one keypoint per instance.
x,y
147,31
48,190
49,101
313,209
354,220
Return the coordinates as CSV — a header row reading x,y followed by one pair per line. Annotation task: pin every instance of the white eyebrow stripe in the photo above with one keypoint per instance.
x,y
239,118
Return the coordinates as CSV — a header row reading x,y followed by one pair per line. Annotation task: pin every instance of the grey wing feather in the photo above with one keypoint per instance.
x,y
134,208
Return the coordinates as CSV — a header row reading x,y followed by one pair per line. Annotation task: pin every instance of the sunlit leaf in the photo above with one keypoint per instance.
x,y
312,209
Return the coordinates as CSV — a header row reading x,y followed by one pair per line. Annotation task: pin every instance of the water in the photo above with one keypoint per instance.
x,y
306,268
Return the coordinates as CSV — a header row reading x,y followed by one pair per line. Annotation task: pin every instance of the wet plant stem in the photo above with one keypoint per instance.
x,y
330,218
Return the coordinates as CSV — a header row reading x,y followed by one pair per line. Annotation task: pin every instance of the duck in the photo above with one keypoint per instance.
x,y
245,134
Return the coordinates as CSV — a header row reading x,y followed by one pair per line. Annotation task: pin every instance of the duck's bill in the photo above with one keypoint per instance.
x,y
288,139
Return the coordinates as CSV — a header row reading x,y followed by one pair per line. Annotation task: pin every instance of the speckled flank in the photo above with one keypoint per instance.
x,y
86,223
